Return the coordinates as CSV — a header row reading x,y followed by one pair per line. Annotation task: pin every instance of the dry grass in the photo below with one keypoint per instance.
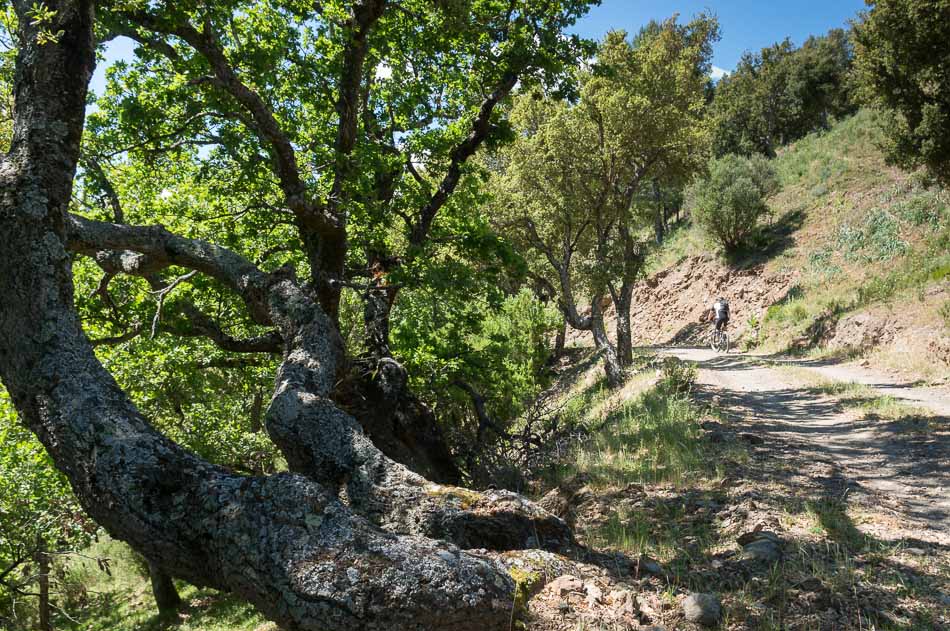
x,y
871,235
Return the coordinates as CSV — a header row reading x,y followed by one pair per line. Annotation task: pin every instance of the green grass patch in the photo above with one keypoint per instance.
x,y
121,600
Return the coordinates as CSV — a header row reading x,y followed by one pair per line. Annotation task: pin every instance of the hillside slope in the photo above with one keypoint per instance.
x,y
854,262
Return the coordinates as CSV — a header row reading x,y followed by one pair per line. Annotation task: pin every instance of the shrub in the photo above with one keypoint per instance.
x,y
676,376
876,238
729,202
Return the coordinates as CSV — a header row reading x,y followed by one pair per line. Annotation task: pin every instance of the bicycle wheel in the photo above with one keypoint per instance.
x,y
714,341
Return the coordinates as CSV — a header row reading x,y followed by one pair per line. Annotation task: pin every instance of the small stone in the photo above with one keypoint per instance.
x,y
703,609
563,606
919,552
623,601
564,585
758,535
594,594
648,565
752,439
811,584
763,550
353,575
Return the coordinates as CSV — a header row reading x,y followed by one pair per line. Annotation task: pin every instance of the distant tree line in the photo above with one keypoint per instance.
x,y
783,93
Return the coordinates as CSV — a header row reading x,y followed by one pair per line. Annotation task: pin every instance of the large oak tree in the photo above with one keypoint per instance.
x,y
349,538
334,138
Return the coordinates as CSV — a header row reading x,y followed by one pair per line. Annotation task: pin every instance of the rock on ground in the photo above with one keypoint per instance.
x,y
703,609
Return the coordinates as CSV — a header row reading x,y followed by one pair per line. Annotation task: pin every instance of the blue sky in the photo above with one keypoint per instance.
x,y
745,24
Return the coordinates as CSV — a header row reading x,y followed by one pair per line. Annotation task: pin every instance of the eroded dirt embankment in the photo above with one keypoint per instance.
x,y
668,306
900,336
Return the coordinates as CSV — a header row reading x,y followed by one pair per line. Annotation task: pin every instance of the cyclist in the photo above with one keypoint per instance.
x,y
720,313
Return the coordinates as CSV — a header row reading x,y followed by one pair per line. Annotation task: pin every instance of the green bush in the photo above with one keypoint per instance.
x,y
730,201
903,69
676,376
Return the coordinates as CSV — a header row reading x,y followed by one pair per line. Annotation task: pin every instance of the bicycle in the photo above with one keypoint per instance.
x,y
719,341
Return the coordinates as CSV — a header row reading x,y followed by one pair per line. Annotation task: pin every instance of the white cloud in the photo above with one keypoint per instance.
x,y
718,73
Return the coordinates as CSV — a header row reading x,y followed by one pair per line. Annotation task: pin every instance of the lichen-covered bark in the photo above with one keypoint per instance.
x,y
286,543
323,442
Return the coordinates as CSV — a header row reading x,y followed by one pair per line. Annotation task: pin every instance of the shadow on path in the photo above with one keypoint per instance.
x,y
903,462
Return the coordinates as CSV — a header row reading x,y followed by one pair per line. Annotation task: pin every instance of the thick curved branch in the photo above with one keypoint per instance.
x,y
481,128
317,438
143,249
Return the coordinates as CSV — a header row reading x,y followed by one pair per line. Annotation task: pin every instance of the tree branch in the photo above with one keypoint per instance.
x,y
261,121
364,17
143,249
481,128
478,402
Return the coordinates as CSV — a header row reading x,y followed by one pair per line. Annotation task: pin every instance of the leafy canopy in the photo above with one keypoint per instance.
x,y
903,62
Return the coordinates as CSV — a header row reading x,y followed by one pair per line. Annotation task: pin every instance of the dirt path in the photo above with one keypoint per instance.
x,y
898,465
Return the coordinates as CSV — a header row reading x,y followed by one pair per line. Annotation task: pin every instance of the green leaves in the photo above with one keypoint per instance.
x,y
36,504
569,182
904,68
729,202
43,17
781,94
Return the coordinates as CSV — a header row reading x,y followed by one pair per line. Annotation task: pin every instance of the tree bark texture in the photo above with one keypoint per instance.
x,y
348,540
624,328
163,589
612,365
397,421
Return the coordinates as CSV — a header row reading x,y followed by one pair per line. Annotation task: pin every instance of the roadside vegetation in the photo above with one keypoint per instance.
x,y
432,199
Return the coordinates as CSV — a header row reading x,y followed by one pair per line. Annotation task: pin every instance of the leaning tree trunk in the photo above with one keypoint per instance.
x,y
559,342
612,365
345,542
624,333
622,298
659,215
42,574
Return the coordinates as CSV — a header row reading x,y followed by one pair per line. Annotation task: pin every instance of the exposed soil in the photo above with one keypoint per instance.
x,y
668,306
910,328
856,512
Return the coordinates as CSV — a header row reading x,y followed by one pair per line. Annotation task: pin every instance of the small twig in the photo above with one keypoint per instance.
x,y
162,294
